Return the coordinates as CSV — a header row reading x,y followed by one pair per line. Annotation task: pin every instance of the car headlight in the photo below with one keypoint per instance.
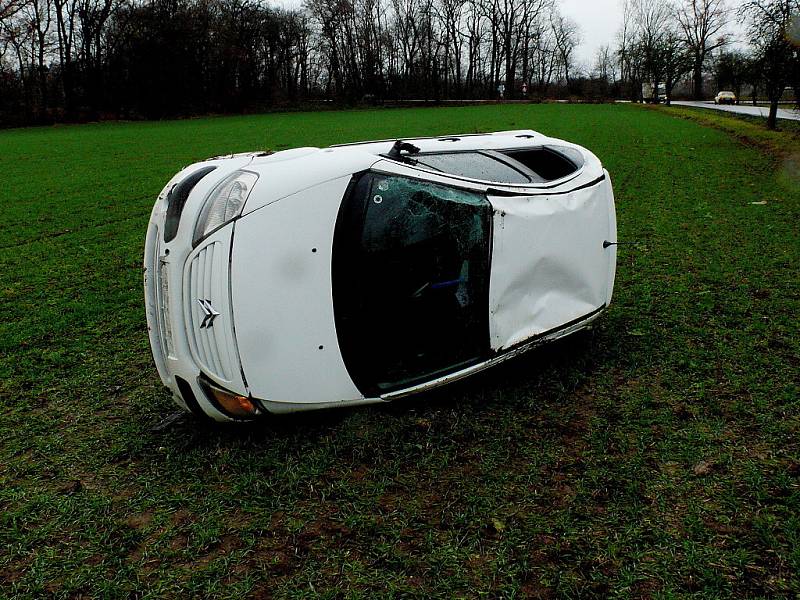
x,y
224,203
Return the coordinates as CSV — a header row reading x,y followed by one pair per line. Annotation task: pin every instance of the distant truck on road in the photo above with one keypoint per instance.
x,y
649,92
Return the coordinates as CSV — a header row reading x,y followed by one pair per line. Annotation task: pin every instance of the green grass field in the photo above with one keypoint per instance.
x,y
656,456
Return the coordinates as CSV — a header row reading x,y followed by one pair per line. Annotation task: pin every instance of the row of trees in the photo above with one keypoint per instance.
x,y
79,59
661,43
443,48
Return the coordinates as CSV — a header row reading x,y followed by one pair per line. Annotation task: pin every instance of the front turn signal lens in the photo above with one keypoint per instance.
x,y
232,404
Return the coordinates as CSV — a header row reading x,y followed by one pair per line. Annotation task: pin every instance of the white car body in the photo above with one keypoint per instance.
x,y
725,97
255,307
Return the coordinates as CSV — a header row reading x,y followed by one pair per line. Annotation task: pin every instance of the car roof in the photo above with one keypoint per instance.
x,y
291,171
500,140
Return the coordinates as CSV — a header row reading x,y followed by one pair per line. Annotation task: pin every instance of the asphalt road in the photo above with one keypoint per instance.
x,y
744,109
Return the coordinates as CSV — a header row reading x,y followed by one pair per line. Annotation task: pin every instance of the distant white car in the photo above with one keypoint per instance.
x,y
362,273
725,98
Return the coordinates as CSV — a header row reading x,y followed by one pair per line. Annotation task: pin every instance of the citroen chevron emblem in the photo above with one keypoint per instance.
x,y
209,314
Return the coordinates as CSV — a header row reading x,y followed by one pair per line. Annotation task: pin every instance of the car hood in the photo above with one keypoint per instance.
x,y
285,174
282,300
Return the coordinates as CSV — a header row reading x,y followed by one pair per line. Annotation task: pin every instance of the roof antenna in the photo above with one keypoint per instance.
x,y
401,146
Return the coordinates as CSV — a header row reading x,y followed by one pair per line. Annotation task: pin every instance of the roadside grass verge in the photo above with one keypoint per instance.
x,y
748,128
655,456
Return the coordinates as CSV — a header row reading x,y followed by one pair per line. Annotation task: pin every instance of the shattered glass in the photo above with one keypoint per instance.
x,y
411,298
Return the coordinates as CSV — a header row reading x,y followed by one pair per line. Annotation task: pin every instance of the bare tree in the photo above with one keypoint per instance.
x,y
567,37
36,17
493,17
405,17
450,15
167,57
626,53
66,13
770,23
19,38
605,66
676,59
475,32
8,8
702,23
652,23
543,54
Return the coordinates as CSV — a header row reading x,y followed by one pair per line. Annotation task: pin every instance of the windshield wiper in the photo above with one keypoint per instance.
x,y
396,153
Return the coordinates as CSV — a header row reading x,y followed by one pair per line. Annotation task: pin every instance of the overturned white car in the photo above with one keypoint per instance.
x,y
361,273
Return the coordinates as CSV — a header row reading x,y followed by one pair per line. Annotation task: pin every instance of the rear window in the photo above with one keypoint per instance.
x,y
535,165
474,165
548,163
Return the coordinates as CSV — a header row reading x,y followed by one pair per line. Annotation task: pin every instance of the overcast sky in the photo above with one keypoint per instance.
x,y
599,21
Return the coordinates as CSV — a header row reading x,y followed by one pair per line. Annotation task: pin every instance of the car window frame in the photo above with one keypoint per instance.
x,y
408,161
367,387
509,162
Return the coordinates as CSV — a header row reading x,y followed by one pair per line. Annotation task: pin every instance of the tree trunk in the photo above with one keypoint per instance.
x,y
772,119
510,65
697,78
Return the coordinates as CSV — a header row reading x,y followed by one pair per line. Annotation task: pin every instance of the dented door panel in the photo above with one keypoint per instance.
x,y
550,265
